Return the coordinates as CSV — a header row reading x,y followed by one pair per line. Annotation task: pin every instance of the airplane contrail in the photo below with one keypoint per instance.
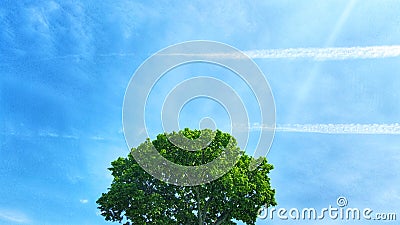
x,y
334,53
341,53
319,54
392,129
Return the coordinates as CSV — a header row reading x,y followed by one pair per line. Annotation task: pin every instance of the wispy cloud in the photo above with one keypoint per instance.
x,y
56,135
13,216
83,201
51,134
79,56
97,138
393,129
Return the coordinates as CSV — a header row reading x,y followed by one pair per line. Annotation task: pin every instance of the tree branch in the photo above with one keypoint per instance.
x,y
208,203
221,218
199,211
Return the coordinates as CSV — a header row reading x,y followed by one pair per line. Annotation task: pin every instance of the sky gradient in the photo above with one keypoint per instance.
x,y
64,68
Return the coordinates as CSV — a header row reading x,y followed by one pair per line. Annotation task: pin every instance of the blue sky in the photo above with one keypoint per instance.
x,y
65,66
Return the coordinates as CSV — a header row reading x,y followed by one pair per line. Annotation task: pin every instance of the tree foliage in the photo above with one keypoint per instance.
x,y
136,197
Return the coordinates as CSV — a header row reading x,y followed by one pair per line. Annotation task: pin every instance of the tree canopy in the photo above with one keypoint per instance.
x,y
136,197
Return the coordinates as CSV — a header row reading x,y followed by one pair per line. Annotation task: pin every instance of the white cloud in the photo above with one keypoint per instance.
x,y
83,201
97,138
13,216
391,194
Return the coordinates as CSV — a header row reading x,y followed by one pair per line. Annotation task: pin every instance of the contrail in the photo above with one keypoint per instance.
x,y
334,53
319,54
393,129
370,52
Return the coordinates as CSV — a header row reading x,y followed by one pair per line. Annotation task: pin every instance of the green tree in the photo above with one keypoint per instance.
x,y
136,197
